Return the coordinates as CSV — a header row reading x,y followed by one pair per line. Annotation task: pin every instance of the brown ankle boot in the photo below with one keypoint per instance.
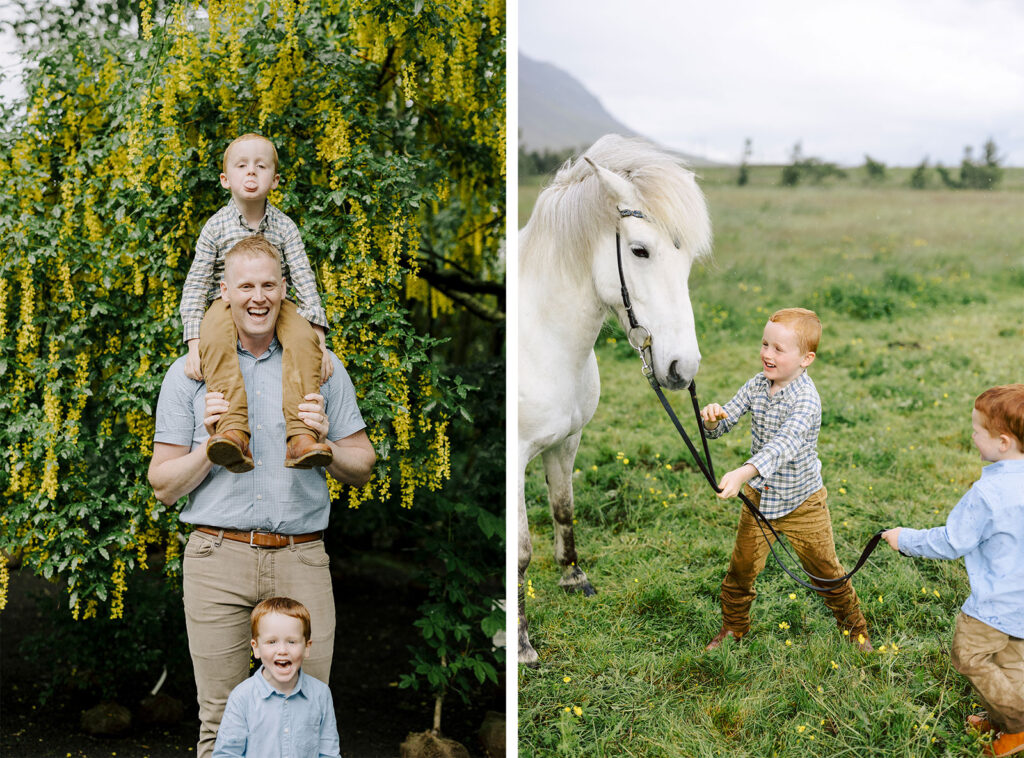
x,y
230,450
305,452
721,636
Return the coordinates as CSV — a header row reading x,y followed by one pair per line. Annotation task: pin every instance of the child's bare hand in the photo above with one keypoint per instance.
x,y
326,367
892,536
712,414
731,483
192,364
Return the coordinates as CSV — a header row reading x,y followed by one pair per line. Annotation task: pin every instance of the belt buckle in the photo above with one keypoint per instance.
x,y
252,536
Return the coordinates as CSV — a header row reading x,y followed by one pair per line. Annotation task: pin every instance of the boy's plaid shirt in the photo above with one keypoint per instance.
x,y
784,439
224,229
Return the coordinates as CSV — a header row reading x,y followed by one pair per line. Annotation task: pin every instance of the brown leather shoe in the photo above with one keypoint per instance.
x,y
305,452
978,722
720,638
1006,744
230,450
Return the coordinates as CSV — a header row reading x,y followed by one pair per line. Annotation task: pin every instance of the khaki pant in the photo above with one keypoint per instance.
x,y
809,531
993,661
223,582
301,357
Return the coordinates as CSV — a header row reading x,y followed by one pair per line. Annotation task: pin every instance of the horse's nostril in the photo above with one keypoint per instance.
x,y
673,373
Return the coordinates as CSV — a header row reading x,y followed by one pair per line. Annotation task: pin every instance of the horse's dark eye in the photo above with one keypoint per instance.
x,y
640,251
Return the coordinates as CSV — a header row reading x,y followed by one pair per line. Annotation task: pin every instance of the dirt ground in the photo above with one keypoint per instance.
x,y
375,609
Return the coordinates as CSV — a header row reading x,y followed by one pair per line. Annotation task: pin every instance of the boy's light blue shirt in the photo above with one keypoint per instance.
x,y
261,722
987,528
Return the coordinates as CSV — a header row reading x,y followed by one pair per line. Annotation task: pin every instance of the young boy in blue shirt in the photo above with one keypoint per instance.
x,y
987,528
279,710
784,476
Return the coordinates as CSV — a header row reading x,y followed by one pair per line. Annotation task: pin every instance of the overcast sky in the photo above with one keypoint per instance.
x,y
900,80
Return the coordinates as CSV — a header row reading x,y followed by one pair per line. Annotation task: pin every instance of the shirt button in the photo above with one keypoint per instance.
x,y
259,463
257,392
259,426
259,497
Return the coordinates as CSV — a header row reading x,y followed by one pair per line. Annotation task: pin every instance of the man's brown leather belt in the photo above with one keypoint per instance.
x,y
261,539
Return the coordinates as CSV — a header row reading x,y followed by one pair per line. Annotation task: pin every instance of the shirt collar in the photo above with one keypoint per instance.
x,y
267,690
241,216
801,380
274,347
1004,467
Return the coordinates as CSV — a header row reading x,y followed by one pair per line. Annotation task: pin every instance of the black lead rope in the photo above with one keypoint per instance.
x,y
831,583
707,468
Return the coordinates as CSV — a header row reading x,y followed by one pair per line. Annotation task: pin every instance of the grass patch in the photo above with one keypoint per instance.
x,y
918,294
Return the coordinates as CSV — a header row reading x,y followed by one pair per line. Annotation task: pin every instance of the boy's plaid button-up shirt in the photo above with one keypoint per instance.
x,y
784,438
222,231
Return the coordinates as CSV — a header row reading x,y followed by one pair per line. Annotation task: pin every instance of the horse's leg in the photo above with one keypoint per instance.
x,y
558,462
527,655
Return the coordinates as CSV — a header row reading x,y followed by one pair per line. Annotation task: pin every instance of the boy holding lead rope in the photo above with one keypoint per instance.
x,y
987,528
784,476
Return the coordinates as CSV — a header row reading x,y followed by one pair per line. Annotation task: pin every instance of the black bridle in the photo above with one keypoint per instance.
x,y
643,348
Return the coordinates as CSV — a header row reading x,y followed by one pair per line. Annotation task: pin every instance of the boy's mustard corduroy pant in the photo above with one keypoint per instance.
x,y
808,529
301,357
993,661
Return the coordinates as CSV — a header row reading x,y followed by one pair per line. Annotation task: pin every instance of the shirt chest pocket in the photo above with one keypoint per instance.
x,y
307,737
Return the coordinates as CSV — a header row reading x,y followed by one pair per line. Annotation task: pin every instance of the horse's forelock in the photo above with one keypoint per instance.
x,y
573,210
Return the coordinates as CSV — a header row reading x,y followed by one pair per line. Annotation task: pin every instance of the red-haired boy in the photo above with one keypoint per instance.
x,y
784,476
279,710
986,528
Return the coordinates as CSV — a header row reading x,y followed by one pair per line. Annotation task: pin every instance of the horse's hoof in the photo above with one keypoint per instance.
x,y
586,588
528,657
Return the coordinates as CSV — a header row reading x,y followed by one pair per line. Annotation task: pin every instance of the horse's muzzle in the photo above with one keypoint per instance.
x,y
676,379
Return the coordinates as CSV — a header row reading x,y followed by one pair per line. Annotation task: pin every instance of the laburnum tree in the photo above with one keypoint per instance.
x,y
389,120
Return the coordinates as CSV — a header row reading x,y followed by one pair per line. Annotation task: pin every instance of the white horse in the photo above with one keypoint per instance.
x,y
568,284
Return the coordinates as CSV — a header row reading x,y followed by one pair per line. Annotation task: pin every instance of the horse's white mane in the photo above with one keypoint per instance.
x,y
574,209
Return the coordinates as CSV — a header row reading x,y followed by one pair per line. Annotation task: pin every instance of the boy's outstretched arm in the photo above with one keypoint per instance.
x,y
892,536
732,482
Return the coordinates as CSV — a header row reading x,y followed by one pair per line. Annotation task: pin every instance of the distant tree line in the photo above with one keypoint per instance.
x,y
983,173
542,162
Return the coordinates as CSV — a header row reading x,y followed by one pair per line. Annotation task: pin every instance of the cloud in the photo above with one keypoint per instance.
x,y
899,79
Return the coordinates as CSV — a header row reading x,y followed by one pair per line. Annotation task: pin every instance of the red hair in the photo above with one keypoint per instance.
x,y
286,607
1003,409
236,140
804,323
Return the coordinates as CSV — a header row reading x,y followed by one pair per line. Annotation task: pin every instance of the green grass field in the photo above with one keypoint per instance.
x,y
921,295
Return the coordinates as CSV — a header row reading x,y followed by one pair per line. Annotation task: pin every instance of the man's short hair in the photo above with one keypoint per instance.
x,y
804,323
286,607
1003,409
252,247
236,140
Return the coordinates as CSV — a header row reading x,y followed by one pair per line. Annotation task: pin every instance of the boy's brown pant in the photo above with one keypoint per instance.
x,y
300,365
809,531
993,661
